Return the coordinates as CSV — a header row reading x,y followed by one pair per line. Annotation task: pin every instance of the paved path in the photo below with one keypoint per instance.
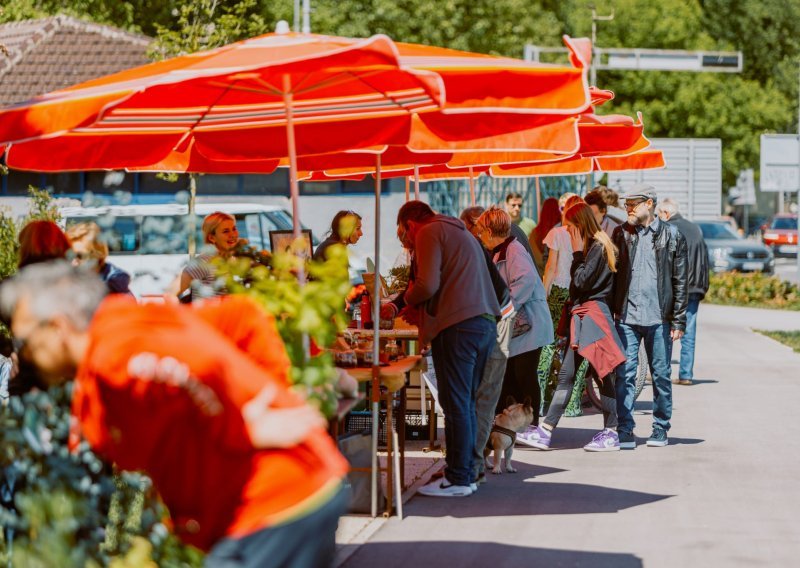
x,y
723,493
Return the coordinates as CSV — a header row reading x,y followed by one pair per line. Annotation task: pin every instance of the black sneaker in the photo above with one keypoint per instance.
x,y
658,438
627,441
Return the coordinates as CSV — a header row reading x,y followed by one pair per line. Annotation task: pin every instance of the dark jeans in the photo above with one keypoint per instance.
x,y
521,380
566,382
460,353
308,542
658,345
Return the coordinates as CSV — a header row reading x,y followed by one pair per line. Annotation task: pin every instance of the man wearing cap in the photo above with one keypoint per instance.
x,y
649,303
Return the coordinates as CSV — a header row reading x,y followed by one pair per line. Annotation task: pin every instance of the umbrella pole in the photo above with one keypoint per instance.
x,y
376,317
538,199
471,188
408,188
416,183
192,218
294,190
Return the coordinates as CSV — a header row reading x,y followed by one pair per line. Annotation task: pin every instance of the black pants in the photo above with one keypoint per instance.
x,y
521,380
309,542
566,382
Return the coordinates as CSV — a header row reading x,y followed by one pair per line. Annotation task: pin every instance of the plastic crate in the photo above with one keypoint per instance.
x,y
359,421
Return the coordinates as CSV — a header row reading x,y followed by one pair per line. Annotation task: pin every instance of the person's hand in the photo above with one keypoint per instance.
x,y
388,311
676,334
410,315
575,238
278,427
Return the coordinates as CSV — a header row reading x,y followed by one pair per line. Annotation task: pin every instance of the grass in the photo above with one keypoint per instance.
x,y
790,338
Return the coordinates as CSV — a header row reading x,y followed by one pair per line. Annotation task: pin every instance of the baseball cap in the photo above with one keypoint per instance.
x,y
641,191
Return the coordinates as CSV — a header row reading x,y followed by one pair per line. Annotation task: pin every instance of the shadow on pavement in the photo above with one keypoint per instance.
x,y
466,554
511,494
703,382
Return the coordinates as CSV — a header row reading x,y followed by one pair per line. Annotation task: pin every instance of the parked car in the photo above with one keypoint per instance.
x,y
728,250
780,234
150,242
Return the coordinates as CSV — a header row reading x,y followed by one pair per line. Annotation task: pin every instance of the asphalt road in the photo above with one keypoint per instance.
x,y
786,268
723,493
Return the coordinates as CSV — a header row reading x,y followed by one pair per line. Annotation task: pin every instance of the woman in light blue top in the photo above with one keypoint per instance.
x,y
533,327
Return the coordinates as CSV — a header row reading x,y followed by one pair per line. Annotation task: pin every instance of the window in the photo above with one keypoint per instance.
x,y
717,231
784,223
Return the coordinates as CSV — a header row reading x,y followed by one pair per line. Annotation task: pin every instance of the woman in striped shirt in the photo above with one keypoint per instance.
x,y
219,230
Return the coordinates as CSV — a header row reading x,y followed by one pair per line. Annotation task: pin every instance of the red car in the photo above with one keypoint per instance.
x,y
780,234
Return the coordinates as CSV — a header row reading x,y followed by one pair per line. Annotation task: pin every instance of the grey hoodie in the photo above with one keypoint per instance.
x,y
452,282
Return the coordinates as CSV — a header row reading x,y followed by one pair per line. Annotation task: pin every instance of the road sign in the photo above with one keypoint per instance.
x,y
779,162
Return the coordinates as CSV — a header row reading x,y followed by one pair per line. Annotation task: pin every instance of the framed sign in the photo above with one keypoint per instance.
x,y
283,241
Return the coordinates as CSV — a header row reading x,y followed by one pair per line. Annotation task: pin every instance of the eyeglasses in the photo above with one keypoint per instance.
x,y
633,204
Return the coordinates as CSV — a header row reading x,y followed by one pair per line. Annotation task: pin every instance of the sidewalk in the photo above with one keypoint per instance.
x,y
722,493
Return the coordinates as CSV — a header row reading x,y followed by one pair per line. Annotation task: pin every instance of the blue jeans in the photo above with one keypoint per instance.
x,y
460,353
658,345
686,368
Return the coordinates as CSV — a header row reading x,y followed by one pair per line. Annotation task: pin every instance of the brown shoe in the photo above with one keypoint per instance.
x,y
685,382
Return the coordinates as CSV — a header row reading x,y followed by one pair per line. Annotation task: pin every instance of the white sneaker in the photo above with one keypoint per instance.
x,y
473,487
443,488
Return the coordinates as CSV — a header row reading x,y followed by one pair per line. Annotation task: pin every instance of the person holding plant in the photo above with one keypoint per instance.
x,y
592,333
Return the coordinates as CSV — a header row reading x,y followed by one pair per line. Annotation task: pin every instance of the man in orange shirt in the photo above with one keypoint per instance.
x,y
199,399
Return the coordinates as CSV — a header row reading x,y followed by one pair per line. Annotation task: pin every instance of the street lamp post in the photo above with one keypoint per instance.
x,y
593,70
797,241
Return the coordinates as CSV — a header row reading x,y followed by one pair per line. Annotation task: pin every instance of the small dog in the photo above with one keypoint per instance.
x,y
514,419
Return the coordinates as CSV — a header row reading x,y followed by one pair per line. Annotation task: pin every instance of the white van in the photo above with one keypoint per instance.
x,y
150,242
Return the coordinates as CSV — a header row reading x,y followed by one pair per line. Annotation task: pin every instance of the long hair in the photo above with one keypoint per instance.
x,y
549,217
336,224
90,233
582,216
40,241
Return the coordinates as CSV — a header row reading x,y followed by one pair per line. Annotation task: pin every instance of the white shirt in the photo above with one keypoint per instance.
x,y
558,239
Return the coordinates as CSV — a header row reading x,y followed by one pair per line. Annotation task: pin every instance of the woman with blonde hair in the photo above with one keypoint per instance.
x,y
88,247
532,328
219,231
592,335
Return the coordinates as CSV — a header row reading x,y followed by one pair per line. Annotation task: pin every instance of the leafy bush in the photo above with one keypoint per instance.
x,y
314,310
754,290
69,507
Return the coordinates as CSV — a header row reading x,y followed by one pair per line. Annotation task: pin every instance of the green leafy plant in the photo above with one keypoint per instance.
x,y
311,310
788,338
755,290
70,507
398,278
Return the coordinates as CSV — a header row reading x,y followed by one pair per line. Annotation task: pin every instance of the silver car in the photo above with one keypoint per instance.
x,y
727,250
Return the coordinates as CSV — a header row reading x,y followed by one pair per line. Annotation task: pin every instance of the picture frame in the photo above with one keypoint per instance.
x,y
281,241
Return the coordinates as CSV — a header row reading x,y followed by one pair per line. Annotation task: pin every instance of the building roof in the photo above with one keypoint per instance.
x,y
53,53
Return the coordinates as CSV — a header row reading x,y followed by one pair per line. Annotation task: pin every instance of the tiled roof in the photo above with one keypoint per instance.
x,y
53,53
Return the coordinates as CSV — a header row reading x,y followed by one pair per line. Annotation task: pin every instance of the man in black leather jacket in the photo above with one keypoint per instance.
x,y
649,303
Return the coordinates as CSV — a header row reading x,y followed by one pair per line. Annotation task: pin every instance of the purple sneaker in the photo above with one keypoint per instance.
x,y
535,437
604,441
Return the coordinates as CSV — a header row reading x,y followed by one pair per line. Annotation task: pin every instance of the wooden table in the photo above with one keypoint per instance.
x,y
394,377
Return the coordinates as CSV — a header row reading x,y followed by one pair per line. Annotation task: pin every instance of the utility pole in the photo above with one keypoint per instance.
x,y
296,26
797,240
593,70
306,16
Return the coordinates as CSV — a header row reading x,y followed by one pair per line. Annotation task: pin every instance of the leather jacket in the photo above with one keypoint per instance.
x,y
671,269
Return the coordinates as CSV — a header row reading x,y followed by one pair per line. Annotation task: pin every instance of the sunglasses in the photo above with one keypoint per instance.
x,y
634,204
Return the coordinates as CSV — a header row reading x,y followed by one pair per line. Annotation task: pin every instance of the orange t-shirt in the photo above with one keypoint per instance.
x,y
161,390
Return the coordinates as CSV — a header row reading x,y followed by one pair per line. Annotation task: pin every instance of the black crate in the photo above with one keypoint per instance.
x,y
358,421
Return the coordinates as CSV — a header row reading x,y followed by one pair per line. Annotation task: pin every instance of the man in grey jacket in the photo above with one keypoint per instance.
x,y
697,281
456,309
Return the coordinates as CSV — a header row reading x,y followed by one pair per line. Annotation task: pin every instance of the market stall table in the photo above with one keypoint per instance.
x,y
393,376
